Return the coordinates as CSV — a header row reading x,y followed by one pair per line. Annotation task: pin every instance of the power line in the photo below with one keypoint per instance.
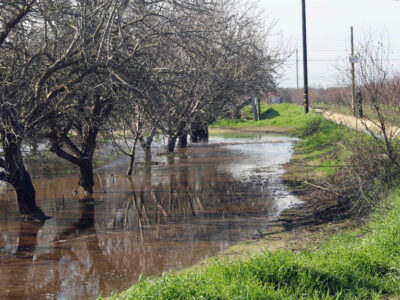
x,y
293,60
326,50
335,60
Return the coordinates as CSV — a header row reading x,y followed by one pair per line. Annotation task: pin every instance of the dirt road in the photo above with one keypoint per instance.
x,y
359,124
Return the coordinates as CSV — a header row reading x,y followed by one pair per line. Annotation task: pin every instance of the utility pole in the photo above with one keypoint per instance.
x,y
306,105
297,67
353,76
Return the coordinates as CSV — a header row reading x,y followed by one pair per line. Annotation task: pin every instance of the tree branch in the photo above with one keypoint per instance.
x,y
2,163
15,20
63,154
4,177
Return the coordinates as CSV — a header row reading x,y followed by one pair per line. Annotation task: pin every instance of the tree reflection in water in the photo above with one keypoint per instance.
x,y
164,219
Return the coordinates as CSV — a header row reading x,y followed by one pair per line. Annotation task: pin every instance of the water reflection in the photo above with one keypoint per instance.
x,y
167,218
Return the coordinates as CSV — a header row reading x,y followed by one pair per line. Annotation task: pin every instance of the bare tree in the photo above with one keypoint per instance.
x,y
89,103
201,62
130,125
13,13
372,159
42,60
65,66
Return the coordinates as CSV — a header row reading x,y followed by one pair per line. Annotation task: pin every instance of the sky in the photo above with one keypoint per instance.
x,y
328,33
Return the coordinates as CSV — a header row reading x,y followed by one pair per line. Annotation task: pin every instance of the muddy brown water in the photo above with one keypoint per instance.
x,y
183,210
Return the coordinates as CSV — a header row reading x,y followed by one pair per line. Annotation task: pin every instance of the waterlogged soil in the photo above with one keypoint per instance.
x,y
186,208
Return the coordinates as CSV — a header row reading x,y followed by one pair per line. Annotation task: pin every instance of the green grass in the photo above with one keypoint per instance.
x,y
346,267
280,115
319,144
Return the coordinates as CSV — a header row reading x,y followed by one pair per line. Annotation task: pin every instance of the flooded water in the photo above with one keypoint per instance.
x,y
183,210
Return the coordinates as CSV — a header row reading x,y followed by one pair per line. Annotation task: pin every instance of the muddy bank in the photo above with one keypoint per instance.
x,y
251,130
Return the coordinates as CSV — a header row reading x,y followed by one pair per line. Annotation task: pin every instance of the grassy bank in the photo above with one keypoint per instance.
x,y
281,117
363,263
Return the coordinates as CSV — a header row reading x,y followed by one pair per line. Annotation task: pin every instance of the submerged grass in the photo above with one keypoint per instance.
x,y
358,264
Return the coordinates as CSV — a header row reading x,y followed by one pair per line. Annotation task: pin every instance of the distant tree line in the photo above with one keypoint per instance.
x,y
71,70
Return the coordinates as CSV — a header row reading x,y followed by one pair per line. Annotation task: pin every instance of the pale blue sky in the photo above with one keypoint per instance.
x,y
328,32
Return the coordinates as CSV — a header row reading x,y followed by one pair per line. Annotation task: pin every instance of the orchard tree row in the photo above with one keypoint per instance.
x,y
73,69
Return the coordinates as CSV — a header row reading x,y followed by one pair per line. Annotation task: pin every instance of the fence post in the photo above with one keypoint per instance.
x,y
254,107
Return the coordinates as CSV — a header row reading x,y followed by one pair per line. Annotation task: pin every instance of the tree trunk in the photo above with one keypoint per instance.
x,y
81,158
146,145
16,174
193,136
147,155
86,175
199,135
81,154
235,113
183,140
132,159
131,165
171,143
203,134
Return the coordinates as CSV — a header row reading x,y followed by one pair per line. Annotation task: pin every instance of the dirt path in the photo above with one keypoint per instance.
x,y
358,124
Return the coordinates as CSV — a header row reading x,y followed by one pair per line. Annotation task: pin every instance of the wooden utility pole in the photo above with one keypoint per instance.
x,y
306,105
353,76
297,67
